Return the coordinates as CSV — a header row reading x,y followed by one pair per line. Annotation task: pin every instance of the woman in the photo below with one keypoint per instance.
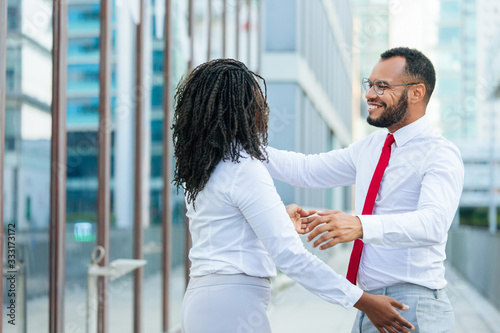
x,y
239,226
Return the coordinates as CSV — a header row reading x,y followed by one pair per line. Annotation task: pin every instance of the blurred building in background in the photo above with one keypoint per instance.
x,y
370,39
82,106
451,88
473,125
308,67
468,35
28,98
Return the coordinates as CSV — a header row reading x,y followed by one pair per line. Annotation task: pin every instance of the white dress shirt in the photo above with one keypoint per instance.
x,y
405,238
240,225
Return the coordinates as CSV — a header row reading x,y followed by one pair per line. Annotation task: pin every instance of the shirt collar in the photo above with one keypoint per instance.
x,y
405,134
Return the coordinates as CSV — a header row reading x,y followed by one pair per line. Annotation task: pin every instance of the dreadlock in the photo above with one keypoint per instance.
x,y
220,110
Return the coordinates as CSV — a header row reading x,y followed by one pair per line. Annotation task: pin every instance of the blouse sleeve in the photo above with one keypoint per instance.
x,y
325,170
254,193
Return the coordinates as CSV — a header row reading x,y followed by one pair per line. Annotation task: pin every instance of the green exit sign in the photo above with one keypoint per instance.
x,y
84,232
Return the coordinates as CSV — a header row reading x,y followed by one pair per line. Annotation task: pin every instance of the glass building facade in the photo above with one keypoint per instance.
x,y
371,38
449,70
307,65
27,129
469,113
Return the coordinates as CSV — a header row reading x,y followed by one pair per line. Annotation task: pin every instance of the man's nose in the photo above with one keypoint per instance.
x,y
370,93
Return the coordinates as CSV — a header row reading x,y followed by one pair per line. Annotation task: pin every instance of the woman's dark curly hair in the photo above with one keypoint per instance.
x,y
220,110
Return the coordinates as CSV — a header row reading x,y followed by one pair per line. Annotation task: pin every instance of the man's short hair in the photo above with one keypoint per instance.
x,y
418,67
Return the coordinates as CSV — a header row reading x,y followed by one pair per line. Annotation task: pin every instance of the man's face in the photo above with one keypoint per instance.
x,y
390,108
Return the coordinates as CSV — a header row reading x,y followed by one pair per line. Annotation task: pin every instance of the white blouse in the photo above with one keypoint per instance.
x,y
240,225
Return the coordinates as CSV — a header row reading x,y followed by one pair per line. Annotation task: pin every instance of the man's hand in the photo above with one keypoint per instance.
x,y
336,226
297,215
380,310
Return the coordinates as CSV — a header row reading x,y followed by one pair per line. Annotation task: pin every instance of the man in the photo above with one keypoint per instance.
x,y
408,183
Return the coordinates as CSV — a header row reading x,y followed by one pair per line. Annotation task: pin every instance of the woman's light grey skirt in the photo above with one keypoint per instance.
x,y
226,304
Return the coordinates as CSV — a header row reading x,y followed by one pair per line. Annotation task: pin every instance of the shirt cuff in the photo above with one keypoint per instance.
x,y
352,297
373,230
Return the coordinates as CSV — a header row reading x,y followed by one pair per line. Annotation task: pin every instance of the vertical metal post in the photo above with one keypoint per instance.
x,y
237,14
209,32
167,166
187,237
224,33
249,34
187,247
493,202
21,295
191,36
57,225
139,144
93,290
3,69
258,23
92,303
104,157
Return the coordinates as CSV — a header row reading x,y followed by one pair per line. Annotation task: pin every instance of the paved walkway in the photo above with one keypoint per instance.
x,y
295,310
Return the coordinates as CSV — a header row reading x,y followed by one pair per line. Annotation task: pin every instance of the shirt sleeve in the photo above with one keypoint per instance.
x,y
334,168
253,192
442,184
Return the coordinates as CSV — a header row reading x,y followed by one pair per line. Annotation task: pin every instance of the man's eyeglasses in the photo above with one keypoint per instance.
x,y
380,86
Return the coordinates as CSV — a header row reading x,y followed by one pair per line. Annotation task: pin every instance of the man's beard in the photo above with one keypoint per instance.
x,y
392,115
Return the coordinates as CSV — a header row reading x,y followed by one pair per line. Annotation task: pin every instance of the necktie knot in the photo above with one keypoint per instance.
x,y
389,140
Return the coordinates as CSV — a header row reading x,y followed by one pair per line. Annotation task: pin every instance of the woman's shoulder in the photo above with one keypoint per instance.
x,y
245,165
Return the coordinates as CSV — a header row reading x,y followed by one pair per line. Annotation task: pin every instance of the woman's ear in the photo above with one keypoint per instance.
x,y
418,93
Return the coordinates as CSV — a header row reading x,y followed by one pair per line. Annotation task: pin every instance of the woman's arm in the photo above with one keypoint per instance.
x,y
253,192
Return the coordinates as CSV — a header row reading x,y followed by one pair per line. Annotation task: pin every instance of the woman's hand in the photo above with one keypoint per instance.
x,y
299,217
382,313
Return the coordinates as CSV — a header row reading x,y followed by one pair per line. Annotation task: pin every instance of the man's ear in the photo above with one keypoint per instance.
x,y
417,93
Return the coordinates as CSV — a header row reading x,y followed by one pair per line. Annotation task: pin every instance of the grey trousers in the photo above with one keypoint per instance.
x,y
226,304
430,310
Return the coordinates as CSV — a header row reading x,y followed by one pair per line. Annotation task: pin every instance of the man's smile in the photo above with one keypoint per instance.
x,y
373,106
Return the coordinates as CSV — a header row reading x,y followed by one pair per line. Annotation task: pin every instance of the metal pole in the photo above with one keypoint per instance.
x,y
167,166
191,36
209,30
93,290
259,36
187,237
21,295
249,35
224,33
92,303
237,14
16,277
187,247
3,66
104,157
493,202
58,168
139,144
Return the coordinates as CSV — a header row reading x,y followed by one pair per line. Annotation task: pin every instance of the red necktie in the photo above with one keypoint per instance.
x,y
352,270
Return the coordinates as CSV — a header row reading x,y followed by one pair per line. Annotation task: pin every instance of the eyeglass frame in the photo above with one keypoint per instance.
x,y
371,84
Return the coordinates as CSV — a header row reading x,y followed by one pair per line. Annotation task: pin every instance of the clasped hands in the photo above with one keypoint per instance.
x,y
334,226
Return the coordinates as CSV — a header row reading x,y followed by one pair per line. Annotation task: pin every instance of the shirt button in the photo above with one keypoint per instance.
x,y
346,304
